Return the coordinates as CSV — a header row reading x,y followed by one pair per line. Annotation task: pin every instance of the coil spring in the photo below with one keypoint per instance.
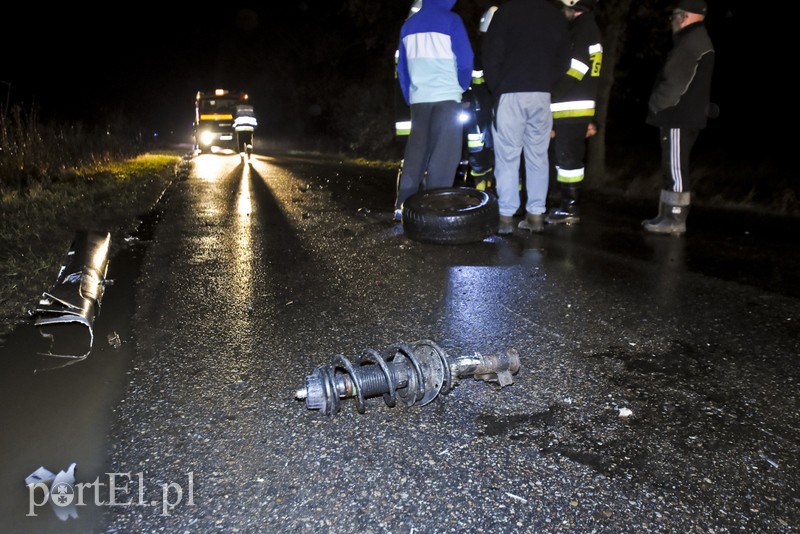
x,y
424,376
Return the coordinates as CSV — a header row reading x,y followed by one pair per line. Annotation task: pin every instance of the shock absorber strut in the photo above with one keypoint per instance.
x,y
415,374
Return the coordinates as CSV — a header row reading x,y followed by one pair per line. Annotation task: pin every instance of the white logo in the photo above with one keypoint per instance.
x,y
121,489
62,494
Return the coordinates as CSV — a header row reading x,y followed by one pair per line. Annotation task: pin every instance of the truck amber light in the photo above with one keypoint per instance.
x,y
216,117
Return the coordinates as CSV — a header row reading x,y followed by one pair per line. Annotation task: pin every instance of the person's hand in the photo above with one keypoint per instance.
x,y
591,129
552,134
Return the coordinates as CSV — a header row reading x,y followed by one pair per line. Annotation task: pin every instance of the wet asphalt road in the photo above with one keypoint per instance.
x,y
658,390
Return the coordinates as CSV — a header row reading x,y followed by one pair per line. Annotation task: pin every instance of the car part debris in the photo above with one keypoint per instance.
x,y
416,374
114,340
74,299
59,490
450,216
41,476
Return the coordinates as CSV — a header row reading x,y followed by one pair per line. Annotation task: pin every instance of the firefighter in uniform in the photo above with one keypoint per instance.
x,y
402,111
573,107
244,125
479,128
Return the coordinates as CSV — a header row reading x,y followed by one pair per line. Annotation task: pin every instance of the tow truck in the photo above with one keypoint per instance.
x,y
223,119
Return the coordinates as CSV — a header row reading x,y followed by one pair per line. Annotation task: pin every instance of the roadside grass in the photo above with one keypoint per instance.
x,y
40,221
753,190
721,179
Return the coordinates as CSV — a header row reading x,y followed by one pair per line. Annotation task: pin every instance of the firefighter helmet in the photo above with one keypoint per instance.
x,y
486,19
580,5
416,6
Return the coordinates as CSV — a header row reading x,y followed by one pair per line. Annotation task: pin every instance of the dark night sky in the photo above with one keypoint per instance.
x,y
149,61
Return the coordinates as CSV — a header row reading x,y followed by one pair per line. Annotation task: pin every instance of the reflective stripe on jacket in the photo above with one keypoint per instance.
x,y
575,93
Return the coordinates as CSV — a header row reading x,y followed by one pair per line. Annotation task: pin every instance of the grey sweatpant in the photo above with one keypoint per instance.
x,y
522,123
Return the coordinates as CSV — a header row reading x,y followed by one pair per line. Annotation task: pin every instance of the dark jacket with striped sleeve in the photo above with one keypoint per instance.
x,y
682,92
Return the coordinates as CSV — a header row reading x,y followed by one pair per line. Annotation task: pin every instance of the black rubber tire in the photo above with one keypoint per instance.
x,y
451,216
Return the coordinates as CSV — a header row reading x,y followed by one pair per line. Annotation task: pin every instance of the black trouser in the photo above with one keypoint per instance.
x,y
243,138
433,149
676,147
569,150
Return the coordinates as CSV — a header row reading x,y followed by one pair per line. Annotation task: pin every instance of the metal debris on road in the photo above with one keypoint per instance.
x,y
76,295
114,340
415,373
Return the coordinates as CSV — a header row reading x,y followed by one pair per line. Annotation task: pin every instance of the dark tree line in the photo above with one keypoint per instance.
x,y
329,74
321,74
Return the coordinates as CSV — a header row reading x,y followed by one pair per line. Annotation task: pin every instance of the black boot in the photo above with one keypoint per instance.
x,y
567,212
657,219
674,212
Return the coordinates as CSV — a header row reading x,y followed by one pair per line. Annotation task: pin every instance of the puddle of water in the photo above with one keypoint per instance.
x,y
554,433
513,425
53,414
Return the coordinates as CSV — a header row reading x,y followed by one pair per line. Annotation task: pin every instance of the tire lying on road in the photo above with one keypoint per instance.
x,y
450,216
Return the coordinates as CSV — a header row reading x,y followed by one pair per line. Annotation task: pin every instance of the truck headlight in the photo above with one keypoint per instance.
x,y
206,138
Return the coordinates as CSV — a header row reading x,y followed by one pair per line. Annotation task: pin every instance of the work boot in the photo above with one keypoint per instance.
x,y
506,225
567,212
483,182
674,210
532,223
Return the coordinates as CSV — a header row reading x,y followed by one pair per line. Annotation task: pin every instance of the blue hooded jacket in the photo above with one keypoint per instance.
x,y
435,57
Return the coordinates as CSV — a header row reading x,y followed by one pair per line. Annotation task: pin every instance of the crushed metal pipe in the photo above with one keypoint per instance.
x,y
75,298
415,374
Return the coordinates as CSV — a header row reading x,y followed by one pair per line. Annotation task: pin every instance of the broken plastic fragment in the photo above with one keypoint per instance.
x,y
40,476
62,494
61,491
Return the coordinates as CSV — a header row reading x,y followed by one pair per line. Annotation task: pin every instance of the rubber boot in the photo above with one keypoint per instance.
x,y
567,212
532,223
675,211
657,219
